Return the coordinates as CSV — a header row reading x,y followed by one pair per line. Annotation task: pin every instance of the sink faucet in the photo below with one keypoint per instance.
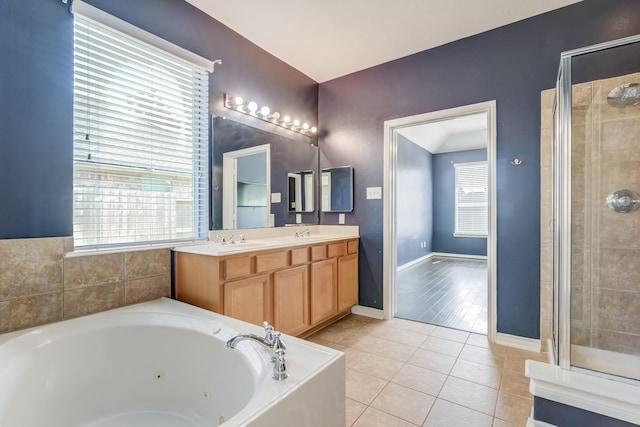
x,y
273,344
302,233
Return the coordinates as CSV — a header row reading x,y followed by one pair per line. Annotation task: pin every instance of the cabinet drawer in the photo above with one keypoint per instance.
x,y
271,261
318,253
236,267
352,247
336,249
299,256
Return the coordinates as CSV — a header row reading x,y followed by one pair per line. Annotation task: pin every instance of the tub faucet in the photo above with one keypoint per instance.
x,y
273,344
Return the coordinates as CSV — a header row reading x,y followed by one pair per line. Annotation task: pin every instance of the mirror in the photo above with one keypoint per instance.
x,y
302,187
287,155
337,189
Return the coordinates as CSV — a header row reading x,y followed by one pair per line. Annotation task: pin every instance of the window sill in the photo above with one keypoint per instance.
x,y
133,248
475,236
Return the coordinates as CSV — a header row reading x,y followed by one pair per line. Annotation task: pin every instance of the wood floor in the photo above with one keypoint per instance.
x,y
449,292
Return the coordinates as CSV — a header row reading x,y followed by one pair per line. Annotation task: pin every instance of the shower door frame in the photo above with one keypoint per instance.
x,y
562,199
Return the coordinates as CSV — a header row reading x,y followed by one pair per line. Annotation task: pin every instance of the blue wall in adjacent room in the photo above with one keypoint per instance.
x,y
414,201
36,96
444,206
511,65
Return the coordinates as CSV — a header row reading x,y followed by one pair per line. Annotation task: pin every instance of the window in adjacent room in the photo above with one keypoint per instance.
x,y
140,141
471,199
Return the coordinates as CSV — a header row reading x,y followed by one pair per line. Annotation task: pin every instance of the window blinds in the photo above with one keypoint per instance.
x,y
140,141
471,199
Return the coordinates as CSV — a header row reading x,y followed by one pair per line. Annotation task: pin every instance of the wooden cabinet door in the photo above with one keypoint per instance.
x,y
347,281
291,300
323,297
249,299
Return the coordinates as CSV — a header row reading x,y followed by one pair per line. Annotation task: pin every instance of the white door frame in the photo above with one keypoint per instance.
x,y
230,183
389,198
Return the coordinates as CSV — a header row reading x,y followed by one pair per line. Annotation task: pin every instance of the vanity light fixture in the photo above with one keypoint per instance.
x,y
237,103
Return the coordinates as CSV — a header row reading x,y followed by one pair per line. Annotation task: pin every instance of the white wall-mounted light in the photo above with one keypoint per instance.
x,y
237,103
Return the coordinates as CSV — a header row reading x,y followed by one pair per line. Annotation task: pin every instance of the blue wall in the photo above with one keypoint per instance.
x,y
414,201
561,415
512,65
36,96
444,206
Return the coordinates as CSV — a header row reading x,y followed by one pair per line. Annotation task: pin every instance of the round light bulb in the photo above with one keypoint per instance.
x,y
305,126
296,122
314,130
264,111
253,107
238,100
286,119
275,116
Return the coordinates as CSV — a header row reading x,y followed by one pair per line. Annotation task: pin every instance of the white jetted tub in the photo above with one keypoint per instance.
x,y
163,364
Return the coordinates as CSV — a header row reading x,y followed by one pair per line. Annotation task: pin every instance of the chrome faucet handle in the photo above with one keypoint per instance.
x,y
280,366
242,239
232,239
269,336
222,239
278,344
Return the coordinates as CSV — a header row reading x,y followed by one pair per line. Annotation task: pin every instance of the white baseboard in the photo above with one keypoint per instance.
x,y
529,344
415,261
367,312
440,254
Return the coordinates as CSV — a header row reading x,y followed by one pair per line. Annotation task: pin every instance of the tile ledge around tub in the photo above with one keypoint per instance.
x,y
604,396
125,249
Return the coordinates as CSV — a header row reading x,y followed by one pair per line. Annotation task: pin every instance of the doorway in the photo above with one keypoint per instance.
x,y
436,233
246,186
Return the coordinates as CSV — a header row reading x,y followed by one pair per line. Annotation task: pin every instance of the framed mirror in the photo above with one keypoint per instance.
x,y
301,191
258,190
337,189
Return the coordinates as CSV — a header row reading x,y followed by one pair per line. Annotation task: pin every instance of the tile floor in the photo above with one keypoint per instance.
x,y
404,373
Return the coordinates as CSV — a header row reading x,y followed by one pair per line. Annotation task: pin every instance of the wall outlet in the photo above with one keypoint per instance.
x,y
341,219
298,218
276,197
374,192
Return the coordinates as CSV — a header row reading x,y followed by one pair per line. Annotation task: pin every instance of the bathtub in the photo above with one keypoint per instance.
x,y
162,364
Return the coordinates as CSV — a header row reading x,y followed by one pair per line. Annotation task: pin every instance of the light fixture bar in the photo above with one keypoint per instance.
x,y
239,104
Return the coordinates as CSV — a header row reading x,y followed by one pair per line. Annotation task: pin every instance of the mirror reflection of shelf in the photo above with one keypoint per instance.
x,y
252,194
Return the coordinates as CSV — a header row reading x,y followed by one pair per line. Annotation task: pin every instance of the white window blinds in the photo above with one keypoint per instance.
x,y
140,141
471,199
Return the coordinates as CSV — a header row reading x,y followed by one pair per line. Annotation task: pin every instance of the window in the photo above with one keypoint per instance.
x,y
140,141
471,199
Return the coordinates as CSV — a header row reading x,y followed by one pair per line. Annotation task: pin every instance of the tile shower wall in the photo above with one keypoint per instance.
x,y
605,245
39,284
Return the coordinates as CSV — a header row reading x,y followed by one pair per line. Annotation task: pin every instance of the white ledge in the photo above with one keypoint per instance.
x,y
592,393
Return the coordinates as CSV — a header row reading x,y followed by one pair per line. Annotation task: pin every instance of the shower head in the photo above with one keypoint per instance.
x,y
625,95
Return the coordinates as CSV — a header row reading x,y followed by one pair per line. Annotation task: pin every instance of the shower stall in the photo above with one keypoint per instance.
x,y
596,201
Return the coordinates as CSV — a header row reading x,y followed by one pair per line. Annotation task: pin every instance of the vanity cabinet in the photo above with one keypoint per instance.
x,y
298,289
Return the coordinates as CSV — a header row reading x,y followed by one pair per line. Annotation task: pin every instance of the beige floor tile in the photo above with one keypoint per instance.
x,y
420,379
362,387
439,345
447,414
396,351
366,343
487,356
515,383
377,329
478,340
332,334
470,395
375,418
378,366
402,402
434,361
351,322
402,336
352,356
477,373
354,410
497,422
419,327
396,323
515,358
512,408
450,334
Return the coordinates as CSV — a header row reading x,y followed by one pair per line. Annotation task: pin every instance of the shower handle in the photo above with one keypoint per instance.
x,y
623,201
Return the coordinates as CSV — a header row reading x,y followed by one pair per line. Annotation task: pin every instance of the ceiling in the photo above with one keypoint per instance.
x,y
444,136
326,39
